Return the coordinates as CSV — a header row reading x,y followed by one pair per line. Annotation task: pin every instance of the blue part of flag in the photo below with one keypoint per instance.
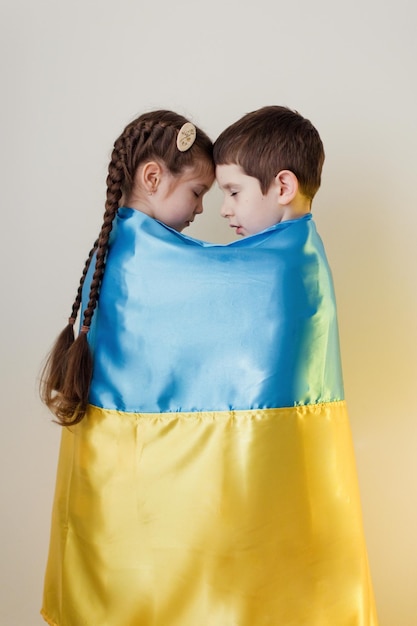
x,y
185,325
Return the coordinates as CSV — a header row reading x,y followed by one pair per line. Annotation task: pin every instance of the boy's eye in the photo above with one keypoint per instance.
x,y
233,193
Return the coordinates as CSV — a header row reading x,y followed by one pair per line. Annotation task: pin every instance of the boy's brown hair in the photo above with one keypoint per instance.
x,y
272,139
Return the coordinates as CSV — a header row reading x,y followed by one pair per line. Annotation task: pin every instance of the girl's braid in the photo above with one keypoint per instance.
x,y
114,193
54,370
71,404
77,301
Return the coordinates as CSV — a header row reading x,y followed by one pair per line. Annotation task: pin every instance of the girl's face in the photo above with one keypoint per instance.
x,y
178,199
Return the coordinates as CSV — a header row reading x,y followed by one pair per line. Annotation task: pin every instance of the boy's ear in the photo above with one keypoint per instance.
x,y
287,184
150,176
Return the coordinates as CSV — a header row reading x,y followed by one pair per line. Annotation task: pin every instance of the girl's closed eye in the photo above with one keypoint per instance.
x,y
199,191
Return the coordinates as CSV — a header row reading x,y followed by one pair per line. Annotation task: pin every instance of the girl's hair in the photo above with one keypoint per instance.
x,y
272,139
66,376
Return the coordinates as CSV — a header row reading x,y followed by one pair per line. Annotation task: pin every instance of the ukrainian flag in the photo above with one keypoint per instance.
x,y
212,481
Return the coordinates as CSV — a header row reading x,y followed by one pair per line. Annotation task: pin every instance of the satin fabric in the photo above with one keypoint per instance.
x,y
250,518
203,327
212,481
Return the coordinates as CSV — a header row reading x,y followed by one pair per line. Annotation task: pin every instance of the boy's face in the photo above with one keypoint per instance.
x,y
244,205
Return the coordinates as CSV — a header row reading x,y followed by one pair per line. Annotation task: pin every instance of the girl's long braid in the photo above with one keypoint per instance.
x,y
66,378
54,370
70,403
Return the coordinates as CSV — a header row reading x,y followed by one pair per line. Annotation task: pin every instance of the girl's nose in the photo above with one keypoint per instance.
x,y
224,211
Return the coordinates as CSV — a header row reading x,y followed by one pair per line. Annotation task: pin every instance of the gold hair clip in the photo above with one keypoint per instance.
x,y
186,137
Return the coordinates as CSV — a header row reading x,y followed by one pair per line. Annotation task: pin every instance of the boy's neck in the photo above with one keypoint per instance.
x,y
299,206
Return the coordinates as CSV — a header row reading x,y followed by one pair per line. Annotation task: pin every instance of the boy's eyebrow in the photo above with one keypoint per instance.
x,y
227,186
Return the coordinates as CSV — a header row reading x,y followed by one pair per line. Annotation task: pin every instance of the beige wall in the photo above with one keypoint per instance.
x,y
73,74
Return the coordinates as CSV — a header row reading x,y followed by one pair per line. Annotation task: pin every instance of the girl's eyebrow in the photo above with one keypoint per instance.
x,y
201,188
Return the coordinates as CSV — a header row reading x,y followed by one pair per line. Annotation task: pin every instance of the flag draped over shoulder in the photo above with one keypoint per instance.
x,y
212,481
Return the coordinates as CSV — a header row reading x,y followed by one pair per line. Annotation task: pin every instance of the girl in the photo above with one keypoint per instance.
x,y
162,166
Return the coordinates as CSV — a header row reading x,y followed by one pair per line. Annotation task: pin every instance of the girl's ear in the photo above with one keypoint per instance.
x,y
287,183
150,176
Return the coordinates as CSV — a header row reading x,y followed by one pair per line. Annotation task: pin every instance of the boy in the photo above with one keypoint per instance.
x,y
268,165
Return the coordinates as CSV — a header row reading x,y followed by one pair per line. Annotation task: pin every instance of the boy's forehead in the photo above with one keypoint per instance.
x,y
228,173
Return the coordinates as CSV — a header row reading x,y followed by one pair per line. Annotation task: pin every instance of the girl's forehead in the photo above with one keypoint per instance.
x,y
203,171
